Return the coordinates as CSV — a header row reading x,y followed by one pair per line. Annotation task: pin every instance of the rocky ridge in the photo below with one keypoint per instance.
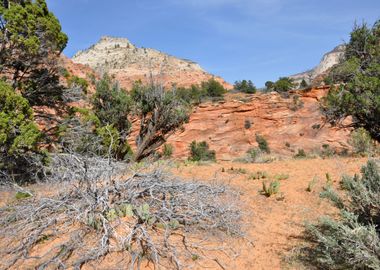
x,y
329,60
128,63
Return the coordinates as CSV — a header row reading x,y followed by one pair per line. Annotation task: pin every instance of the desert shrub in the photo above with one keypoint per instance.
x,y
213,88
327,151
358,76
271,189
167,150
192,95
296,104
201,152
263,144
361,142
247,124
245,86
283,84
311,184
352,241
300,154
281,176
20,157
77,81
112,107
160,113
258,175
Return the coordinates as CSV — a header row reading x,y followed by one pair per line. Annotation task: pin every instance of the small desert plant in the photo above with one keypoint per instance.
x,y
311,185
238,170
247,124
327,151
263,144
271,189
300,154
296,104
258,175
201,152
167,150
287,144
352,241
281,176
361,142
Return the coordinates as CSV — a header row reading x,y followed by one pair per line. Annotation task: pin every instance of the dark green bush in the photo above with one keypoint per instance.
x,y
76,81
283,84
245,86
358,76
167,150
213,88
352,241
263,144
201,152
300,154
20,158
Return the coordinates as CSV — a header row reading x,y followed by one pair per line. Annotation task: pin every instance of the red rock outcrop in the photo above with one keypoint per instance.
x,y
223,126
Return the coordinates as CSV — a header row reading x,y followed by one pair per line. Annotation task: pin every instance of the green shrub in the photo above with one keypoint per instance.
x,y
213,88
167,150
361,142
358,76
300,154
311,185
20,156
263,144
258,175
245,86
283,84
76,81
352,241
201,152
247,124
271,189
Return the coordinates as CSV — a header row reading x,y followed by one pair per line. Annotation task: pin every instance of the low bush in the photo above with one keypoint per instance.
x,y
263,144
352,241
20,157
167,150
361,142
201,152
300,154
271,189
245,86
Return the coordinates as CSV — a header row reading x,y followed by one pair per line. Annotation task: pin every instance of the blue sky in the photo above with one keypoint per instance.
x,y
258,40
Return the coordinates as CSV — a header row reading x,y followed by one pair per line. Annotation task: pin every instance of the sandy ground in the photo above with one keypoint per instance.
x,y
273,225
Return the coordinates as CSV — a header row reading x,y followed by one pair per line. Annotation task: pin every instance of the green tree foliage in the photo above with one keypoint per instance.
x,y
160,113
30,41
358,76
201,152
19,137
263,144
283,84
303,84
192,95
213,88
352,241
112,107
245,86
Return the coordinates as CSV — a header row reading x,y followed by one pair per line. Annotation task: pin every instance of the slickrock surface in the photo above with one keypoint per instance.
x,y
222,126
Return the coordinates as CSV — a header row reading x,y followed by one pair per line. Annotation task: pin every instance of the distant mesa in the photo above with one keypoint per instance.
x,y
128,63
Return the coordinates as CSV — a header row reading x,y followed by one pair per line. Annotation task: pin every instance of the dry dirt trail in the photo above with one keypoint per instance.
x,y
275,225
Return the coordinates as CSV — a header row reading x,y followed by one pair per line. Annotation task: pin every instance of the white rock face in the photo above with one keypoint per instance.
x,y
127,63
111,54
329,60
